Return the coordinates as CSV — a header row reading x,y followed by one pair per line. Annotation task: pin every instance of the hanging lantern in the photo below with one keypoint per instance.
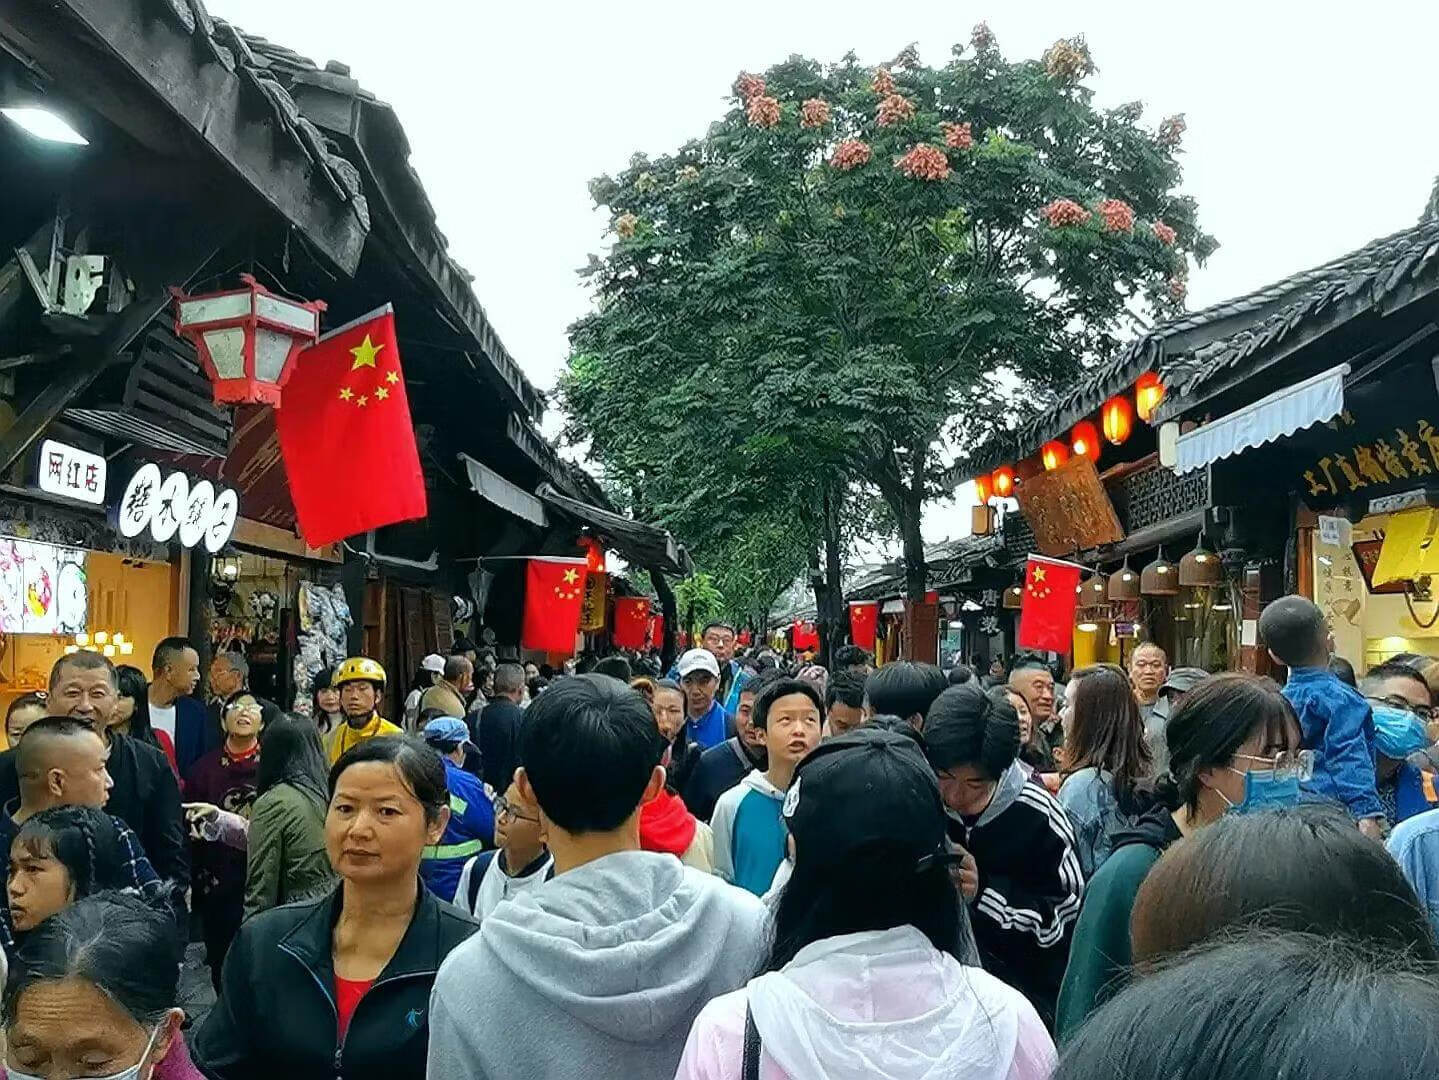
x,y
1117,416
1084,440
1003,481
1014,597
1094,591
1054,454
983,489
247,339
1124,584
1148,393
1159,578
1200,567
594,554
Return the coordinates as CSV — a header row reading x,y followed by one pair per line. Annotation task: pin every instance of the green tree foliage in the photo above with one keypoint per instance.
x,y
858,272
699,601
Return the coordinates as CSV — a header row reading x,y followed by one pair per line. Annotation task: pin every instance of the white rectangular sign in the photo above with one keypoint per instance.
x,y
71,472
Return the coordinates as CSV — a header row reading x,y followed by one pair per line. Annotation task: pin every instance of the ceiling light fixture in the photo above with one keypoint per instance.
x,y
43,124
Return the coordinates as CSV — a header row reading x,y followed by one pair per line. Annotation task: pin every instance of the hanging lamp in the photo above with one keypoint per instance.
x,y
1159,578
1124,583
1200,567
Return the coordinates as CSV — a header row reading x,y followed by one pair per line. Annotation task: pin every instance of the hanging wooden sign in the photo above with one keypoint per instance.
x,y
1068,509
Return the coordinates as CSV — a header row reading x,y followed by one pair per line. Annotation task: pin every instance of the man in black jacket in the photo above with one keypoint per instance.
x,y
499,727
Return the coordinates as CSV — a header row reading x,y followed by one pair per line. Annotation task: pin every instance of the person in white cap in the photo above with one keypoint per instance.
x,y
704,716
451,691
431,668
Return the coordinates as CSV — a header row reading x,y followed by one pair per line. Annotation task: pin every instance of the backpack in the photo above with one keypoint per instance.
x,y
483,861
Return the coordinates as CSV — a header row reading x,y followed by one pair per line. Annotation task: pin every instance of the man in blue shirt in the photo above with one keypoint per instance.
x,y
471,828
705,719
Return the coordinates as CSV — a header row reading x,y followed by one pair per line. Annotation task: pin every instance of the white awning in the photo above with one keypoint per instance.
x,y
490,485
1282,413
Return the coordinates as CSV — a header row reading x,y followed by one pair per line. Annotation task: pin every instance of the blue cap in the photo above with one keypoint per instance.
x,y
447,731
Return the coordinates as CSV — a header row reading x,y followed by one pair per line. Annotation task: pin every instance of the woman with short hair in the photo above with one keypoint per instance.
x,y
340,986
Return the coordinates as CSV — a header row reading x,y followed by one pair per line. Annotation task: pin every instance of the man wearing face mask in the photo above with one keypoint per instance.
x,y
1404,772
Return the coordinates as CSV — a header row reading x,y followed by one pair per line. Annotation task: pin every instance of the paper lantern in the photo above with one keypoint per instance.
x,y
594,554
1117,416
1200,567
1084,440
1054,454
983,489
1148,393
1003,481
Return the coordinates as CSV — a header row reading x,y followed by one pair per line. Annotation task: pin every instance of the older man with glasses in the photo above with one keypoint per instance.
x,y
519,862
1405,762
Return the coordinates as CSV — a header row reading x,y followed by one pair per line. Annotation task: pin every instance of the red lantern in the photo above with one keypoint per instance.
x,y
1003,481
248,339
1054,454
1084,440
983,489
594,554
1148,393
1117,416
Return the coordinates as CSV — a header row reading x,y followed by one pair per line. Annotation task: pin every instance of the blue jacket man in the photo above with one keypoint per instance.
x,y
705,720
471,828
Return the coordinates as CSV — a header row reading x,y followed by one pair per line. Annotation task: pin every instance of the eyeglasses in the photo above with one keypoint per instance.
x,y
1424,712
505,811
1287,765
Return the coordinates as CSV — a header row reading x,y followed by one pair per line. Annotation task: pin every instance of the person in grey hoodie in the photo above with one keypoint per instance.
x,y
602,971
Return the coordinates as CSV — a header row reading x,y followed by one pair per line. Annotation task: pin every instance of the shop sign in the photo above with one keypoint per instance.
x,y
171,507
1069,510
71,473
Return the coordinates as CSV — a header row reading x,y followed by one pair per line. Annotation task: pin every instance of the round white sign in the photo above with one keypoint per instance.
x,y
137,503
198,512
170,508
223,516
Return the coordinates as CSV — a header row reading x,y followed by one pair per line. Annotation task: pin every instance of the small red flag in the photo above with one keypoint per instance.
x,y
863,619
346,435
806,636
1046,616
554,593
657,631
632,620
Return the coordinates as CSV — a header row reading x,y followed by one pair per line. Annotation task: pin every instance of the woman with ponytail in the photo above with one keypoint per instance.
x,y
59,856
1022,876
1233,745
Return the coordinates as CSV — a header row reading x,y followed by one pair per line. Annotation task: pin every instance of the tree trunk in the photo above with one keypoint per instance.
x,y
670,610
915,570
831,605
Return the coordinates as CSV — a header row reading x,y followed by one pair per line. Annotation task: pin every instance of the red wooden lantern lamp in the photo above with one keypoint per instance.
x,y
247,339
594,554
1054,454
983,489
1084,440
1002,480
1148,393
1117,416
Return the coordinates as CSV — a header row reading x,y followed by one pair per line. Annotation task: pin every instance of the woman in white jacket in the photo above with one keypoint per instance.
x,y
864,978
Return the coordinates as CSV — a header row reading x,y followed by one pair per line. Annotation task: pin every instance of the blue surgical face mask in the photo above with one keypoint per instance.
x,y
132,1073
1398,732
1262,792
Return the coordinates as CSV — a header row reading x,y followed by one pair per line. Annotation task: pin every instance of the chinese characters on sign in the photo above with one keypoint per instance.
x,y
1383,461
71,472
169,505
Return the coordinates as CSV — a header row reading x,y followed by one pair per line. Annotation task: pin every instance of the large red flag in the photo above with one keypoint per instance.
x,y
1046,616
632,620
346,435
863,619
554,592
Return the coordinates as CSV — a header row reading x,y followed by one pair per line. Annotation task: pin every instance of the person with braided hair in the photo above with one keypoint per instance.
x,y
1025,884
61,855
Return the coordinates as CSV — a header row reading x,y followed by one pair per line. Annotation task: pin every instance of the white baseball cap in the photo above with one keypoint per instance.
x,y
698,660
434,662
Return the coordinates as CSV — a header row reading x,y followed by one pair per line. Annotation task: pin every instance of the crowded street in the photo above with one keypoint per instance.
x,y
934,580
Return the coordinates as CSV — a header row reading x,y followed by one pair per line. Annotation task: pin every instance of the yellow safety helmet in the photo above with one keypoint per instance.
x,y
357,668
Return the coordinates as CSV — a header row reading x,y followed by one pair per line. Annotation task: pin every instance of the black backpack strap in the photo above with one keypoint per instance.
x,y
751,1047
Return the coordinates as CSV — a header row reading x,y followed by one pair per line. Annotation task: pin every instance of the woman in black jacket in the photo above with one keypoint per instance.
x,y
340,986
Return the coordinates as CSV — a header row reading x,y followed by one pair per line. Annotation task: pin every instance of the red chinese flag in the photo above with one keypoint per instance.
x,y
1046,614
346,436
554,594
632,620
863,619
805,636
657,630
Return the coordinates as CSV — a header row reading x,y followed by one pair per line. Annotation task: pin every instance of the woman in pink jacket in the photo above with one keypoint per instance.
x,y
865,977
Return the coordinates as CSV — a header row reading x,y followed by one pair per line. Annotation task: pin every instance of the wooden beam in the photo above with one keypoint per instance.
x,y
14,285
256,534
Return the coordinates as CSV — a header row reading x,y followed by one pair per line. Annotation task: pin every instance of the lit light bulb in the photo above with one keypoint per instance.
x,y
101,637
126,648
1088,627
109,650
82,639
118,639
71,650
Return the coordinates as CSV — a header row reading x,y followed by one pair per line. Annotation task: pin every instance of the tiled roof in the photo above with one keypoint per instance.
x,y
944,561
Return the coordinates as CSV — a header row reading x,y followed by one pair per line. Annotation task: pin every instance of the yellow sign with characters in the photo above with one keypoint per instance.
x,y
1378,463
592,613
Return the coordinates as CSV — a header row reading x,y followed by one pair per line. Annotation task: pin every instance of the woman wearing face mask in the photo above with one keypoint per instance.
x,y
93,993
1233,745
340,986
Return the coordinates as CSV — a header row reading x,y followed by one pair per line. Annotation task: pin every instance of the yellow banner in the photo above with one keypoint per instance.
x,y
592,613
1409,551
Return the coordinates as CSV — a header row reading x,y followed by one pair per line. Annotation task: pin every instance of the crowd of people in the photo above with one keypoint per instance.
x,y
739,865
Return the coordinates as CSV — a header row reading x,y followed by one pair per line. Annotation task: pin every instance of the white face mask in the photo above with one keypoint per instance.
x,y
132,1073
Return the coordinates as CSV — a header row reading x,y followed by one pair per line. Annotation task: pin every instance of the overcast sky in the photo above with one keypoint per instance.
x,y
1311,125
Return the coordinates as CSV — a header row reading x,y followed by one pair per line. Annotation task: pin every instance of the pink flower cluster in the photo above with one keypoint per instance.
x,y
1178,288
982,37
850,154
924,162
814,113
1118,215
1164,233
883,82
625,226
1171,131
1063,213
895,109
748,86
762,111
957,136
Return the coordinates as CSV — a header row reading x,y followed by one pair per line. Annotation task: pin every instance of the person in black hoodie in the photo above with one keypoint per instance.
x,y
497,730
1024,884
721,767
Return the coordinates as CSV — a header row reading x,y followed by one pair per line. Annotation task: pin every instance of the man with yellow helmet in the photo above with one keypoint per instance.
x,y
361,683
